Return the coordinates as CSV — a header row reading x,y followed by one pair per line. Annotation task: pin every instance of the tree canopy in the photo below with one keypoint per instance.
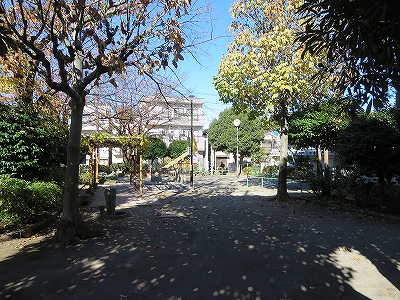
x,y
370,146
156,149
6,41
264,70
176,148
318,124
30,145
222,132
361,41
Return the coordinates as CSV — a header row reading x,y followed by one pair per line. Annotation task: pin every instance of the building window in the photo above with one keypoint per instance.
x,y
170,114
267,144
180,112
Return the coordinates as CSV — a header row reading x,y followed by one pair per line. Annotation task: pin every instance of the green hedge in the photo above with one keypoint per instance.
x,y
22,202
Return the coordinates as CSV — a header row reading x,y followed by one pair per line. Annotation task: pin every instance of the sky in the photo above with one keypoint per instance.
x,y
201,75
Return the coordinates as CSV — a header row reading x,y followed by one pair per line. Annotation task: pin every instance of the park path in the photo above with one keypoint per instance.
x,y
217,240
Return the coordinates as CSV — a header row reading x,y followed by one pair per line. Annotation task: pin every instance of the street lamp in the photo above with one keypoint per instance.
x,y
236,122
191,141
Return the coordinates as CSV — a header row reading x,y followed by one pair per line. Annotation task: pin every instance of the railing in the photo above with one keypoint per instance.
x,y
272,182
265,181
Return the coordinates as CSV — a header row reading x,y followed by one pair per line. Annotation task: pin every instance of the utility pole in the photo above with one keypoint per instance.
x,y
191,141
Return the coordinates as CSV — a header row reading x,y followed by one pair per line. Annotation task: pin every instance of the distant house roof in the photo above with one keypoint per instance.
x,y
220,154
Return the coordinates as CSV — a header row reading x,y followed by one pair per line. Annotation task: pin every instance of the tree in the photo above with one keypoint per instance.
x,y
6,41
263,69
259,156
78,42
361,41
222,133
177,148
31,146
318,125
17,77
132,106
156,149
20,85
132,101
370,146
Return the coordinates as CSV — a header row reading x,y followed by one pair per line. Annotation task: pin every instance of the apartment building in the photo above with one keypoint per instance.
x,y
168,118
172,118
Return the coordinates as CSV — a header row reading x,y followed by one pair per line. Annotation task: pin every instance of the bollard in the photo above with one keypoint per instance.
x,y
156,175
103,210
171,175
110,196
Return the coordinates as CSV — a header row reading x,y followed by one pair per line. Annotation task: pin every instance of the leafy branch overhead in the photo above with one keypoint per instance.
x,y
6,40
96,36
361,41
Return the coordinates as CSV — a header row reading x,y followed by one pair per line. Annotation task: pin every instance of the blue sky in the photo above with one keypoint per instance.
x,y
200,75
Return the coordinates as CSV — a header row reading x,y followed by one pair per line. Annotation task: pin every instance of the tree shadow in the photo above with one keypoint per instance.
x,y
213,242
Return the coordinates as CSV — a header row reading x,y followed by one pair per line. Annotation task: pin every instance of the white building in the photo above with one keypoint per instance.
x,y
312,152
173,117
271,144
169,118
96,119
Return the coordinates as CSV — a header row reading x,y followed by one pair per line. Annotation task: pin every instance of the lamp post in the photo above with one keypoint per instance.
x,y
236,122
191,141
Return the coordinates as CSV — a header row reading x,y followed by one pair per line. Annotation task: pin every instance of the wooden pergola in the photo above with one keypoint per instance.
x,y
134,144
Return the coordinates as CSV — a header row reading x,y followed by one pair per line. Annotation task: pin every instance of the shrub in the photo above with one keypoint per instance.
x,y
105,169
304,164
30,145
252,170
315,181
247,170
22,201
122,167
84,178
84,174
14,208
56,175
270,171
45,196
369,146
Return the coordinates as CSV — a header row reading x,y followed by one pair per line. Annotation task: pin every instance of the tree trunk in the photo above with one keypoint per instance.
x,y
319,162
381,189
326,180
110,156
133,167
282,194
26,90
71,226
96,169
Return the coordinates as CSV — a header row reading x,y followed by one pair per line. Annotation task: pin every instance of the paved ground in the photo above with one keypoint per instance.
x,y
218,240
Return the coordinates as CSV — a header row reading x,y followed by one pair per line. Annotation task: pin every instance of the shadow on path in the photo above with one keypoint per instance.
x,y
219,240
